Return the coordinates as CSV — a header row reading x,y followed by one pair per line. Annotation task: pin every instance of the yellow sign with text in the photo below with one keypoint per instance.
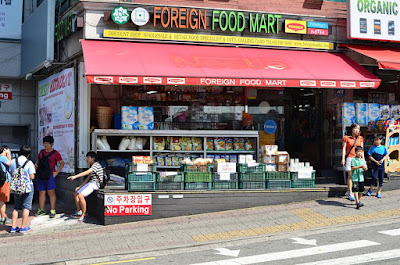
x,y
144,35
296,26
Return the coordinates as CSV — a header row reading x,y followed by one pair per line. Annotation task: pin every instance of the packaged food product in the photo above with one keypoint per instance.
x,y
175,144
229,144
210,144
160,161
147,160
219,144
222,160
197,144
168,161
187,161
186,143
233,158
175,161
242,159
238,144
250,144
159,143
137,160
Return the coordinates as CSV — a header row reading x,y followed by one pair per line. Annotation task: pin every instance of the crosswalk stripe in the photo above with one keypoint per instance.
x,y
293,253
370,257
394,232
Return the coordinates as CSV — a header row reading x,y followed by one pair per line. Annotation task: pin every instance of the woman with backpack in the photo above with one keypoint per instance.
x,y
23,172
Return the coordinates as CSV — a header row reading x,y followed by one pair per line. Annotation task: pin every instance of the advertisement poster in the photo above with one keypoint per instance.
x,y
123,204
57,114
10,19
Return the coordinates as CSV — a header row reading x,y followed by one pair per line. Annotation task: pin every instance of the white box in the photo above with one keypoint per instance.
x,y
146,118
348,113
385,112
129,118
362,114
373,112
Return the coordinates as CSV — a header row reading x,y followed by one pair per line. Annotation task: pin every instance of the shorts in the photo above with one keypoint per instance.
x,y
378,173
88,188
5,192
347,166
43,185
23,201
358,187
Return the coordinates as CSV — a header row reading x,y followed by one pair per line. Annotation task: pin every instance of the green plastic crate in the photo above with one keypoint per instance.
x,y
294,175
252,176
244,168
198,186
198,177
278,184
216,177
170,177
278,175
142,186
141,176
193,168
129,168
170,185
303,183
225,185
252,185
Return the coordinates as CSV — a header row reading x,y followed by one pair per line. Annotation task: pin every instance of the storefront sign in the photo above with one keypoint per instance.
x,y
124,204
5,91
10,19
143,35
57,114
373,20
250,82
317,25
318,31
296,26
120,15
140,16
65,27
270,127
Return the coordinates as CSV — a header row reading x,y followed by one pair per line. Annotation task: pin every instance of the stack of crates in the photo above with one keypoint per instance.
x,y
302,183
251,177
170,181
197,177
139,180
277,180
225,181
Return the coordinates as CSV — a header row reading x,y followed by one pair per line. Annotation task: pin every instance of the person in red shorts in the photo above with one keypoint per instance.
x,y
46,175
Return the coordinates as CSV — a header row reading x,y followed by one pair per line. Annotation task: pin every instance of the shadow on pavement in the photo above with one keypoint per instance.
x,y
336,203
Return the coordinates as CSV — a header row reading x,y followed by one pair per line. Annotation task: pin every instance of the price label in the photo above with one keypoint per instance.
x,y
142,167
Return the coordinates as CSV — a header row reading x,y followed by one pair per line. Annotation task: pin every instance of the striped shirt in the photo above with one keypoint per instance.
x,y
96,174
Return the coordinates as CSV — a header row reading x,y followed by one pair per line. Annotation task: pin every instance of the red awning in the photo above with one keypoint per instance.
x,y
109,62
387,58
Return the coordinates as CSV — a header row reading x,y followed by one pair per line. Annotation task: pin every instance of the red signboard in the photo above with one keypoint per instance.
x,y
5,91
317,31
126,204
248,82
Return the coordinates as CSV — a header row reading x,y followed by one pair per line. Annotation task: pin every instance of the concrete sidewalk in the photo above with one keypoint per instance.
x,y
65,239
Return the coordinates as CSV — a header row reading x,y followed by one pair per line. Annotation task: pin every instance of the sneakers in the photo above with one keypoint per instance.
x,y
351,197
14,229
77,214
83,218
5,221
52,213
369,192
24,230
378,195
40,212
359,205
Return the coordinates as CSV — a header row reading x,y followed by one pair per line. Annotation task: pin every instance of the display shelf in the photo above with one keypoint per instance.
x,y
172,167
151,134
393,150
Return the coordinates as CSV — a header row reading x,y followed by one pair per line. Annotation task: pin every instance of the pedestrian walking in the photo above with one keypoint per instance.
x,y
348,153
5,162
23,171
92,182
45,165
358,165
377,154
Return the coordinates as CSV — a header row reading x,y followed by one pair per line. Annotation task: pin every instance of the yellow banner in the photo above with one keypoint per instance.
x,y
126,34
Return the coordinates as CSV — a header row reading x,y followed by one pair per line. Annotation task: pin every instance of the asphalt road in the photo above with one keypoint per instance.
x,y
375,242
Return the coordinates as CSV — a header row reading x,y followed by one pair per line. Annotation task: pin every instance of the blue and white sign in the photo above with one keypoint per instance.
x,y
270,127
10,19
317,25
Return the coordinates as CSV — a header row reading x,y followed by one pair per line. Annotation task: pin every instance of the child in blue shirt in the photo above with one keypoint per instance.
x,y
377,154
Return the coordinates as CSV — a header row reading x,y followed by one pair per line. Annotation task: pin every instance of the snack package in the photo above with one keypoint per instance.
x,y
175,161
219,144
147,160
229,144
210,144
168,161
233,158
238,144
197,144
159,143
242,159
385,112
249,144
186,143
175,144
160,160
137,160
